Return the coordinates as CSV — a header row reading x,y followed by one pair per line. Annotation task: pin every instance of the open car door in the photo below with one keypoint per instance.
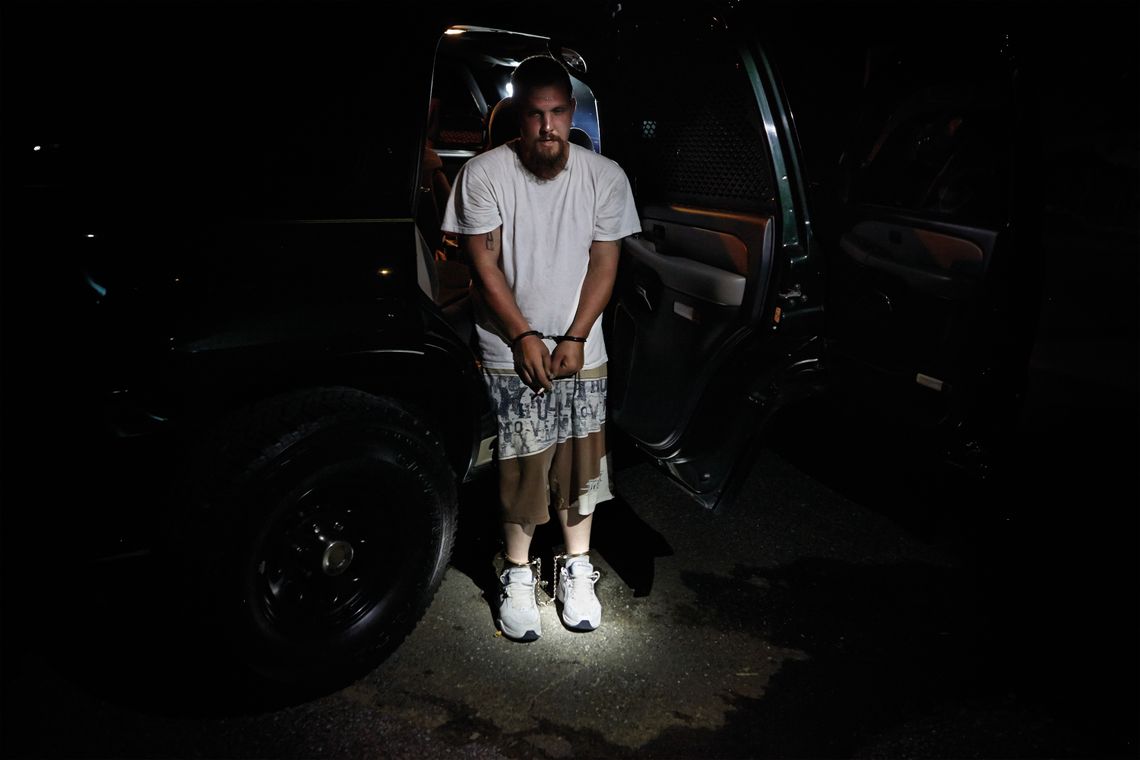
x,y
712,309
931,296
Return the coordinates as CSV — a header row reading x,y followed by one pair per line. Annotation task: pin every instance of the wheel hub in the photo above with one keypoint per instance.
x,y
336,557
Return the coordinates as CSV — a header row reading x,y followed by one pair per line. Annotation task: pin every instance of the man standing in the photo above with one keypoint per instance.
x,y
541,221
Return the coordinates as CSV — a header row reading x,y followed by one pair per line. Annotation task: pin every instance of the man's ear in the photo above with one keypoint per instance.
x,y
573,104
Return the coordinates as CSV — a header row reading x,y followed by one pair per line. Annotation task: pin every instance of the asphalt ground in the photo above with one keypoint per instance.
x,y
853,602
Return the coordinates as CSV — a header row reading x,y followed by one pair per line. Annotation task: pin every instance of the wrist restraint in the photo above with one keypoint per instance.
x,y
538,334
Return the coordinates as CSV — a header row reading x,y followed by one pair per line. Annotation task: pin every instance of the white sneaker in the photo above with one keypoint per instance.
x,y
581,610
518,609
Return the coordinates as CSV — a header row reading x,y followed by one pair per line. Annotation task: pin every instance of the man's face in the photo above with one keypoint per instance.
x,y
545,116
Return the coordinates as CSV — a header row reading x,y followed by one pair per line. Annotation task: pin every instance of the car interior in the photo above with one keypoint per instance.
x,y
470,112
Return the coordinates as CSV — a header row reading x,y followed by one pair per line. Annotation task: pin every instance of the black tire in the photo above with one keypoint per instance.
x,y
316,527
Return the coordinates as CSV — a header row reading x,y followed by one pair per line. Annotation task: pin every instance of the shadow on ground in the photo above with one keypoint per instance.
x,y
1045,617
891,649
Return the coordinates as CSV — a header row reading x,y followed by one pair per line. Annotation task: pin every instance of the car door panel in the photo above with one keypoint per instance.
x,y
666,355
687,277
918,328
943,264
677,314
905,300
732,241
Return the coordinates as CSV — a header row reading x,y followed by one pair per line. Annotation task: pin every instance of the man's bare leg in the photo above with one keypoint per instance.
x,y
518,615
575,530
581,610
517,538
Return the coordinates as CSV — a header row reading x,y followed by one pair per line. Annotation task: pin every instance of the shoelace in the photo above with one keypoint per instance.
x,y
577,588
513,587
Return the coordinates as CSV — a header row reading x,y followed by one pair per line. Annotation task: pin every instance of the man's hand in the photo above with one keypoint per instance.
x,y
569,355
567,359
533,364
532,359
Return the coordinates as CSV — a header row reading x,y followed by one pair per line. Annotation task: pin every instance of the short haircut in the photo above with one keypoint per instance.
x,y
540,71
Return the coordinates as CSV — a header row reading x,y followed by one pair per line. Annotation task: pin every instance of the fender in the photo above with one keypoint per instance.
x,y
398,347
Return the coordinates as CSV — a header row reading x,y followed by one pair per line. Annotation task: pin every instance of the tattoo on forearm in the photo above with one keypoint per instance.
x,y
491,241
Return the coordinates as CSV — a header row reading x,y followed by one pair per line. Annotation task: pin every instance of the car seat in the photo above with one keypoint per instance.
x,y
579,137
433,186
502,124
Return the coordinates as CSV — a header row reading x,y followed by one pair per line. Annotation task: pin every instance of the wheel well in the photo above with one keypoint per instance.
x,y
432,385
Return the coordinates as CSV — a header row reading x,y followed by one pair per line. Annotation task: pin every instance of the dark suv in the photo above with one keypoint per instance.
x,y
229,314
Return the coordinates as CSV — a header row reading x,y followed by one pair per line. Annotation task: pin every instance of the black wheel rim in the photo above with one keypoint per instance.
x,y
335,553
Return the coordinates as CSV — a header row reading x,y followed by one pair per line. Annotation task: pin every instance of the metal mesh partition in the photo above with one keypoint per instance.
x,y
707,147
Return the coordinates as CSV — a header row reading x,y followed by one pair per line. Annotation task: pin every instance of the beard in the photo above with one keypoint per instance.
x,y
541,163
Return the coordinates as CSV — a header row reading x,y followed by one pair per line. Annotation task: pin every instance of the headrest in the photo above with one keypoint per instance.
x,y
502,124
579,137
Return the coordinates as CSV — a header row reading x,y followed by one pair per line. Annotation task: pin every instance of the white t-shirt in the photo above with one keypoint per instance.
x,y
548,226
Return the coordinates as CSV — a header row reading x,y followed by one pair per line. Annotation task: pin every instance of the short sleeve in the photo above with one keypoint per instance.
x,y
616,217
472,208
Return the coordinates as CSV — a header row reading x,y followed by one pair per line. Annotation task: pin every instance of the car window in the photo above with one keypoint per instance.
x,y
932,140
462,108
